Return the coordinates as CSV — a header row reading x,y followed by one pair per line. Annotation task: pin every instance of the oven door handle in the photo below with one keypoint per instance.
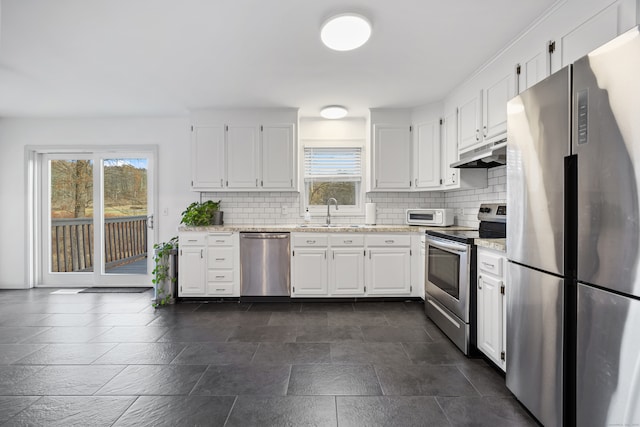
x,y
447,246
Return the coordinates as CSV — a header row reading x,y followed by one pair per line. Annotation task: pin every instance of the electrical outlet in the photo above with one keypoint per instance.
x,y
285,211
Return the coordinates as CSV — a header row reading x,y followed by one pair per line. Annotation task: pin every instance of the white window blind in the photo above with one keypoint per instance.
x,y
332,164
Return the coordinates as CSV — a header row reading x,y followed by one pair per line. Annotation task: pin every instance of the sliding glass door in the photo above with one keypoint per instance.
x,y
96,219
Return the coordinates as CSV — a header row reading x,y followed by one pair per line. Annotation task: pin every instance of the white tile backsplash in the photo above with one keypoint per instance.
x,y
467,202
253,208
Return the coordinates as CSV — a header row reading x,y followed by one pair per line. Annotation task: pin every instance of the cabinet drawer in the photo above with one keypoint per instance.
x,y
349,240
220,240
220,258
490,263
310,240
192,239
219,288
220,276
389,240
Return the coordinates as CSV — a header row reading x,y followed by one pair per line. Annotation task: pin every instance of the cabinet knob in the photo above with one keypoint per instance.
x,y
479,282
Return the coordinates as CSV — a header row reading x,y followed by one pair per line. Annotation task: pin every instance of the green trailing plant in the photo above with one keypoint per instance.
x,y
161,279
200,214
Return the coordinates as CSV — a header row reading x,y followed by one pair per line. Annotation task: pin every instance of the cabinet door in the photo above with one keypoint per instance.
x,y
392,157
207,157
490,315
389,271
193,271
450,149
242,156
278,157
427,156
309,272
533,70
494,111
469,118
346,271
594,33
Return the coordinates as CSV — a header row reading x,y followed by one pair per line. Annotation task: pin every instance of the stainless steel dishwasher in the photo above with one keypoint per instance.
x,y
264,264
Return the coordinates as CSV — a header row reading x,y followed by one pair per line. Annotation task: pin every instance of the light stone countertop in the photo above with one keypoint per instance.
x,y
318,228
495,244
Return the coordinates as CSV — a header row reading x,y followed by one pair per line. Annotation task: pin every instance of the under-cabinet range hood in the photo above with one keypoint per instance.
x,y
488,156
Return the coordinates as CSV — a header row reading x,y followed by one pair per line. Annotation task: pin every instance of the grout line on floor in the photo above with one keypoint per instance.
x,y
230,410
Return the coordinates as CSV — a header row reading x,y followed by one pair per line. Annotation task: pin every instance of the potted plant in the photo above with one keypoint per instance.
x,y
162,280
199,214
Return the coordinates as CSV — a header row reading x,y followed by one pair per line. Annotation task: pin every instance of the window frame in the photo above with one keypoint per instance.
x,y
343,211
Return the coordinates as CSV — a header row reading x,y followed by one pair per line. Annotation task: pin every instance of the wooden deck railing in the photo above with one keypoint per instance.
x,y
125,240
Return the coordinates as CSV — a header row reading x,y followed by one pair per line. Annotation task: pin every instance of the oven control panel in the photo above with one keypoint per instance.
x,y
493,212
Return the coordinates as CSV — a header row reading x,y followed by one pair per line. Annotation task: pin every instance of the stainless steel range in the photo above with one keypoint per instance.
x,y
450,276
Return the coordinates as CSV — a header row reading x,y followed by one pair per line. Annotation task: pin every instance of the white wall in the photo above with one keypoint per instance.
x,y
171,135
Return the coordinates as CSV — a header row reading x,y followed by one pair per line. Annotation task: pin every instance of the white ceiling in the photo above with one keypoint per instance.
x,y
166,57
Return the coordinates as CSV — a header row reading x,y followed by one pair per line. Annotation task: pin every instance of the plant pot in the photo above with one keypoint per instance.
x,y
217,218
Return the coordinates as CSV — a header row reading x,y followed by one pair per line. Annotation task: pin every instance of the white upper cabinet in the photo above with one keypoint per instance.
x,y
278,160
208,157
494,107
452,178
249,157
427,155
596,31
391,157
533,69
483,117
469,120
243,152
450,149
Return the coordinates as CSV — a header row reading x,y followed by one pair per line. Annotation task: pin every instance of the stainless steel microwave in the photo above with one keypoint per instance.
x,y
429,217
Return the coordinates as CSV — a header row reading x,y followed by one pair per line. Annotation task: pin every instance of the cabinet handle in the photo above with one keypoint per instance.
x,y
219,277
484,131
220,259
192,240
256,182
348,242
221,182
311,242
486,264
220,290
477,134
201,253
376,182
479,282
219,241
389,241
416,182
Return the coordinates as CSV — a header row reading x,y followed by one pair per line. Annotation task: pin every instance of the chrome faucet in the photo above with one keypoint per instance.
x,y
335,202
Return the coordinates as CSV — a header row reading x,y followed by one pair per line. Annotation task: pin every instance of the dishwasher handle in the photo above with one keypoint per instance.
x,y
262,236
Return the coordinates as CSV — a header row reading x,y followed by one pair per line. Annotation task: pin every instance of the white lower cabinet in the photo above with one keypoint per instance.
x,y
192,269
192,263
208,265
491,305
351,265
389,271
309,272
309,264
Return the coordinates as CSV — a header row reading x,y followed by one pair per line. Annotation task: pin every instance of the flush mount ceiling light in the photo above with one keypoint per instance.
x,y
346,31
333,112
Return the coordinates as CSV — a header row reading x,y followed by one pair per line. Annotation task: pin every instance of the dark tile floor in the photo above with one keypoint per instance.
x,y
111,359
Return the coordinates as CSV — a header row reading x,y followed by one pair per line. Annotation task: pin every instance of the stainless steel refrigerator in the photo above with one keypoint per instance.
x,y
573,241
606,139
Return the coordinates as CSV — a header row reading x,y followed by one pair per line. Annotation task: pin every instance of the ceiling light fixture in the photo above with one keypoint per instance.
x,y
346,31
333,112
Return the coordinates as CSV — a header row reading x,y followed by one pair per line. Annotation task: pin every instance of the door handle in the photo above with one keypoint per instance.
x,y
150,222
